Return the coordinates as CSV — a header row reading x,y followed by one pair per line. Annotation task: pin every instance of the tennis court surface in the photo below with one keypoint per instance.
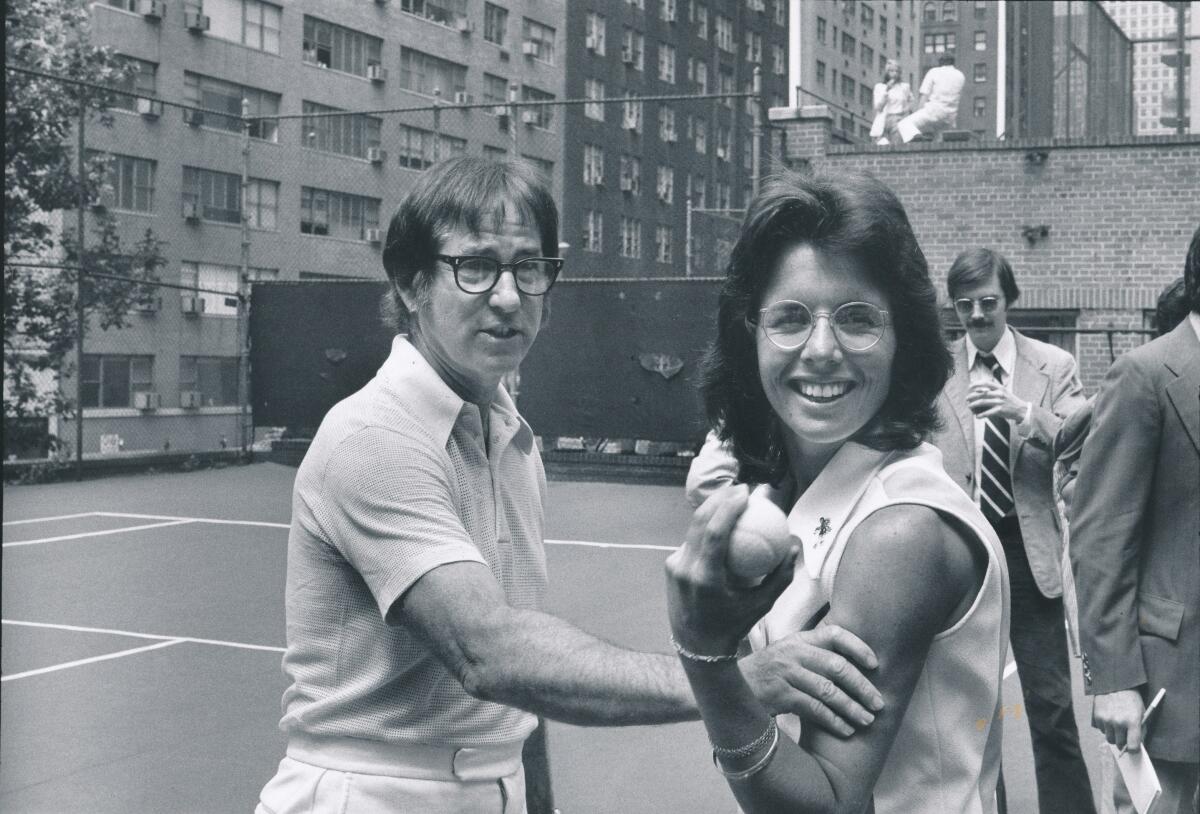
x,y
143,627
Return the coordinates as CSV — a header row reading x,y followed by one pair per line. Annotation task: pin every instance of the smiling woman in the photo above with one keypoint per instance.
x,y
822,383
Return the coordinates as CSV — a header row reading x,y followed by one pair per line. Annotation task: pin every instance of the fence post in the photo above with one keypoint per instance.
x,y
79,319
687,240
756,134
243,285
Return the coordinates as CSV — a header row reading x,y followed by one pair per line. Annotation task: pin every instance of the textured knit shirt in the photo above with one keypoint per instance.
x,y
397,482
946,755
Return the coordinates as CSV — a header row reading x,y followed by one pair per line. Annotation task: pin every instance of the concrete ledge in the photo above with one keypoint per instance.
x,y
96,466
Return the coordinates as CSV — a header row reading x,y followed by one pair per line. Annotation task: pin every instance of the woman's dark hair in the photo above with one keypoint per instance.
x,y
851,215
975,265
1171,308
467,192
1191,273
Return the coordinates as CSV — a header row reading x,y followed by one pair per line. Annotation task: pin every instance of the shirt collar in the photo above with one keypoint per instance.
x,y
413,383
1194,318
818,516
1005,353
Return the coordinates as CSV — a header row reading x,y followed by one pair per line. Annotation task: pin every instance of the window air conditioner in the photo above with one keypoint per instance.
x,y
626,184
190,211
372,235
192,305
150,108
627,56
193,117
189,399
376,155
530,117
461,97
147,401
529,48
152,9
149,305
465,26
195,22
590,42
376,72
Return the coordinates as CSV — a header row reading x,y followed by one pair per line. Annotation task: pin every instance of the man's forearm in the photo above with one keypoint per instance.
x,y
549,667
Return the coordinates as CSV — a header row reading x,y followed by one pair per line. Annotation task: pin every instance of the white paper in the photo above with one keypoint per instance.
x,y
1140,778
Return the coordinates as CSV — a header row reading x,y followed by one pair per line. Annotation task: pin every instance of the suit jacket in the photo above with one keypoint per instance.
x,y
1046,377
1135,537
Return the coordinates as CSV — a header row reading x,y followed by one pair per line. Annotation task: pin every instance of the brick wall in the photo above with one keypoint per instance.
x,y
1120,215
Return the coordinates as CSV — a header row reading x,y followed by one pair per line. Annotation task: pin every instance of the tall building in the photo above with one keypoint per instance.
x,y
633,170
972,31
840,50
319,187
1152,25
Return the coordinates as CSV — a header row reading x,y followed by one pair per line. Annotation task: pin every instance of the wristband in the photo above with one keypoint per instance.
x,y
700,657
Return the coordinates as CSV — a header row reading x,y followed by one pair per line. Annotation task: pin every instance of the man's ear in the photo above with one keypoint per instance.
x,y
408,296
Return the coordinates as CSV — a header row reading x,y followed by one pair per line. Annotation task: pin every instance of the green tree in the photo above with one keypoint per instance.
x,y
41,182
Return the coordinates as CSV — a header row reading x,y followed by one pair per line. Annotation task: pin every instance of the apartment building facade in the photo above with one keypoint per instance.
x,y
632,169
972,32
1153,27
319,188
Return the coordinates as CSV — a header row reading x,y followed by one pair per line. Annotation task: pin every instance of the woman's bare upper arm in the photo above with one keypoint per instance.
x,y
903,574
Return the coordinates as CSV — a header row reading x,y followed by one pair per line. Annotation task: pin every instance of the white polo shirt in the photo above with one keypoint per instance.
x,y
397,482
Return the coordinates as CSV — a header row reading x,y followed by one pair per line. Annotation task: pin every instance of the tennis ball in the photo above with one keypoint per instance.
x,y
759,540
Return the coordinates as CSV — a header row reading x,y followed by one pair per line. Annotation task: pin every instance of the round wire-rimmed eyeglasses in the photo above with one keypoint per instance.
x,y
534,276
788,324
966,306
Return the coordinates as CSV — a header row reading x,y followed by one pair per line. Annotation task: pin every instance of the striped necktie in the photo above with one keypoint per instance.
x,y
995,480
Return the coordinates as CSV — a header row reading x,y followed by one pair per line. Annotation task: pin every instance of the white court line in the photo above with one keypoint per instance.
x,y
644,546
93,534
48,519
190,639
80,662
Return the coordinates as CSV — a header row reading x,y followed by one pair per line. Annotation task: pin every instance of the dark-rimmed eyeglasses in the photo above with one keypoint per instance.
x,y
966,305
478,275
788,324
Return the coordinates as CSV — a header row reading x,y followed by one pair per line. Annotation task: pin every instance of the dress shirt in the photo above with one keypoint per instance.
x,y
1006,354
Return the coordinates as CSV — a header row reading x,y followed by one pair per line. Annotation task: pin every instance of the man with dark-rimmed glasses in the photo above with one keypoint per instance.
x,y
418,654
1000,410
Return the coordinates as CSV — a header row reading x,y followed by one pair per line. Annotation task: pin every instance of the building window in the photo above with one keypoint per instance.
x,y
495,91
543,115
214,377
867,55
250,22
724,33
701,136
724,138
849,45
753,47
217,94
848,86
423,73
544,166
820,72
111,381
593,89
593,231
262,204
949,11
665,185
724,195
865,97
980,9
494,153
980,40
633,45
778,60
980,71
340,49
631,237
631,174
699,193
867,15
337,214
899,38
781,13
701,20
980,106
883,31
129,184
663,237
217,196
939,43
725,84
418,148
495,23
666,62
666,124
593,165
930,12
442,12
702,76
596,30
142,80
666,11
821,30
350,134
542,36
631,118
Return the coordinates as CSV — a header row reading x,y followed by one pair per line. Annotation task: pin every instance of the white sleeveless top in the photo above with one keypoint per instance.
x,y
946,755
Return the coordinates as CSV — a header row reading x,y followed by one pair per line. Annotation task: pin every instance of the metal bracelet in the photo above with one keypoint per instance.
x,y
757,767
749,748
700,657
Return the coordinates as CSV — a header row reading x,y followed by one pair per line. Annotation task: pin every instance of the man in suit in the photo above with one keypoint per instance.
x,y
1135,553
1001,409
